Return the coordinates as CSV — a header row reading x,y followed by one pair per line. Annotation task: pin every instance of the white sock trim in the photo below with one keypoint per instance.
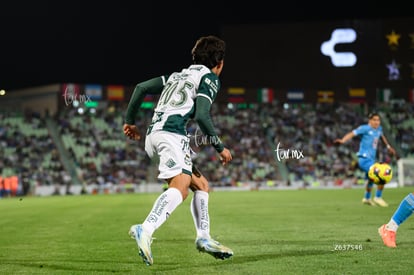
x,y
392,226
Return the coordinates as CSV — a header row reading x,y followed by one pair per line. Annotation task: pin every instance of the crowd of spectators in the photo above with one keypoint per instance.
x,y
104,156
27,152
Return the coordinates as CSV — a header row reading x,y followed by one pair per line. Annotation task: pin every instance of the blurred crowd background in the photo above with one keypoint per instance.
x,y
72,148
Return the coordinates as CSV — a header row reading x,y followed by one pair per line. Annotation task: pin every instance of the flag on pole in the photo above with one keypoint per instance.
x,y
115,92
265,95
411,95
70,90
295,96
357,95
93,91
325,96
236,95
70,93
384,95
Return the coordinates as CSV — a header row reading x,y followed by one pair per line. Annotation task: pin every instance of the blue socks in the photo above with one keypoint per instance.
x,y
378,194
367,194
405,209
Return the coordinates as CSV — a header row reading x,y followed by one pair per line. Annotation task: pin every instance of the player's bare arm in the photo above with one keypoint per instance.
x,y
347,137
389,147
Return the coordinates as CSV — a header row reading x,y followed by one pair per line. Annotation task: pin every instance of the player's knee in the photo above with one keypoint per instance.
x,y
184,193
181,182
204,186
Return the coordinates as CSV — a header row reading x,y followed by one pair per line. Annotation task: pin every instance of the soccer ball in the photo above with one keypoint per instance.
x,y
380,173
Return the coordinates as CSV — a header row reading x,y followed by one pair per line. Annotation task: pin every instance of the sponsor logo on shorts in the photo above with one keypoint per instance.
x,y
170,163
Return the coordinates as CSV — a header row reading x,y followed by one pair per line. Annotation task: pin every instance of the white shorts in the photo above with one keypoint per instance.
x,y
171,151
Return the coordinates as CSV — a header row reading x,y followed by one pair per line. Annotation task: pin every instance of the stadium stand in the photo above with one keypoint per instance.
x,y
90,149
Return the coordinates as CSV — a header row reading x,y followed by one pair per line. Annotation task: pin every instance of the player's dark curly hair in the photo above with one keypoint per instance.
x,y
208,51
372,114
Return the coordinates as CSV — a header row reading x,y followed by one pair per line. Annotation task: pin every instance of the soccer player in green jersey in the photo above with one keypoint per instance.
x,y
184,95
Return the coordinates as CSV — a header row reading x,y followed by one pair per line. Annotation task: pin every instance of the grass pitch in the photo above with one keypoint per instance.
x,y
270,232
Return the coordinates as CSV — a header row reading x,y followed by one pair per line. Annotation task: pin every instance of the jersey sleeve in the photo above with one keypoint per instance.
x,y
151,86
206,95
209,87
360,130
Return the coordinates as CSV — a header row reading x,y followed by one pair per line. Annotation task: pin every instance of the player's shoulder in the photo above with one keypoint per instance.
x,y
362,129
193,72
199,72
363,126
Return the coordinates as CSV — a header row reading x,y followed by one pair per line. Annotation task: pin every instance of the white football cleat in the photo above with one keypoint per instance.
x,y
143,241
213,248
380,202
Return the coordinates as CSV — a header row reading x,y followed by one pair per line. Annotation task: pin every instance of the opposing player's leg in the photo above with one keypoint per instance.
x,y
199,210
367,195
364,164
378,196
404,211
388,236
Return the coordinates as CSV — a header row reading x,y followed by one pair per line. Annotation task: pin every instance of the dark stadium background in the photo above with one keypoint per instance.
x,y
128,41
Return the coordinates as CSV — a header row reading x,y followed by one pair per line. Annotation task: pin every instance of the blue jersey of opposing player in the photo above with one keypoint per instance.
x,y
370,135
369,140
